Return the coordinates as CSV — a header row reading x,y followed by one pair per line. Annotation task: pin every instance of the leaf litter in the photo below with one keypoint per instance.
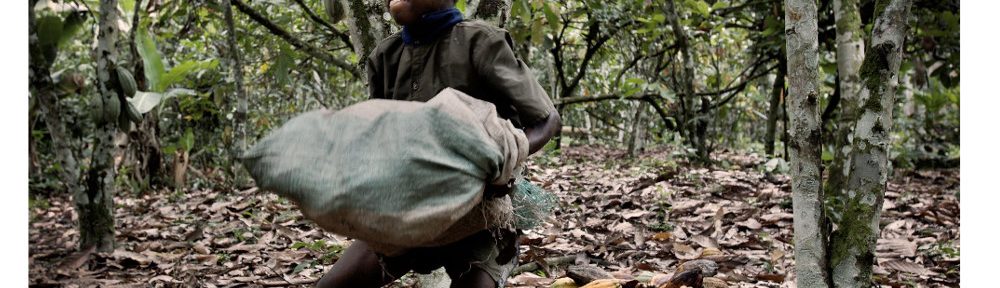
x,y
652,221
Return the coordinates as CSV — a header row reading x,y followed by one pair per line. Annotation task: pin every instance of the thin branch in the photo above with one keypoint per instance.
x,y
584,99
736,89
312,15
297,43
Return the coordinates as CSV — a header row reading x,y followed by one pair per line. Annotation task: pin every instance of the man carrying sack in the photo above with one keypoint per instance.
x,y
406,178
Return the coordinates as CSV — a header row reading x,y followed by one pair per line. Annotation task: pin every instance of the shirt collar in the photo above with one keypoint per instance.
x,y
430,26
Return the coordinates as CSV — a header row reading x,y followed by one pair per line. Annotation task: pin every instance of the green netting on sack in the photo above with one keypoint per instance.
x,y
532,204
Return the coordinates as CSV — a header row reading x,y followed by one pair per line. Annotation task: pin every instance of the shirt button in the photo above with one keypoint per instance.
x,y
414,86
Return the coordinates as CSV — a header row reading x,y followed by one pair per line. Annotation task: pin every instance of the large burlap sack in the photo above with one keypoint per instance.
x,y
395,173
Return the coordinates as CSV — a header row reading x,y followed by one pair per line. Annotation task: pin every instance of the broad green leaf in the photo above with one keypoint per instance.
x,y
719,5
521,9
827,155
187,142
181,71
151,61
283,64
50,28
659,17
552,17
169,149
698,6
537,34
145,101
128,6
71,26
177,92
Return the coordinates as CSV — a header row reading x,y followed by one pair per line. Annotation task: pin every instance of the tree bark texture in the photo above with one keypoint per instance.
x,y
639,124
495,12
366,25
94,203
48,106
774,110
686,82
853,244
240,113
850,53
804,142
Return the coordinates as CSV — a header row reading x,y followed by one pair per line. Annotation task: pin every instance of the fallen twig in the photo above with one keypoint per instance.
x,y
534,265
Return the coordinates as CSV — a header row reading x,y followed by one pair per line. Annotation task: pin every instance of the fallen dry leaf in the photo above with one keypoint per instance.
x,y
907,266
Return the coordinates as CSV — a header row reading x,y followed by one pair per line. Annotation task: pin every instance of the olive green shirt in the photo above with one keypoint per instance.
x,y
473,57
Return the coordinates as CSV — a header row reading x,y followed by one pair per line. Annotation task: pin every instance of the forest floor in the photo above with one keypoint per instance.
x,y
633,219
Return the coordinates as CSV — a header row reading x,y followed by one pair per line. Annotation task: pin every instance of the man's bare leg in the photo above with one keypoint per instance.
x,y
475,278
357,267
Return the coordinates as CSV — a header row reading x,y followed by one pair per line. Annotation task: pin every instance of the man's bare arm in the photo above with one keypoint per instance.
x,y
542,132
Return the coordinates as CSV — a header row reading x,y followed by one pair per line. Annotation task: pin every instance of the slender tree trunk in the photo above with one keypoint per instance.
x,y
240,114
365,25
94,203
639,123
804,141
853,250
589,128
774,111
687,81
784,125
850,53
495,12
48,106
146,148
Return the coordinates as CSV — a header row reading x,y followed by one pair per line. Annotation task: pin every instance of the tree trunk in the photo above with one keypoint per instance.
x,y
240,178
495,12
94,203
366,26
853,244
850,53
146,148
639,123
774,111
687,82
48,106
804,143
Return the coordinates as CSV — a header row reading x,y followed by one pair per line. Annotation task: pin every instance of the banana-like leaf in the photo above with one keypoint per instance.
x,y
151,61
181,71
146,101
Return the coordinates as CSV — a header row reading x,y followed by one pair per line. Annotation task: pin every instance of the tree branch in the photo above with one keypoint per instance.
x,y
585,99
299,44
312,15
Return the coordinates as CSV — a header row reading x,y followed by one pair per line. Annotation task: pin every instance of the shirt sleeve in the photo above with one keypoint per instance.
x,y
512,79
375,75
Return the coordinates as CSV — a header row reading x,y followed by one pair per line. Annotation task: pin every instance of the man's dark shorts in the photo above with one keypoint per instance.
x,y
494,252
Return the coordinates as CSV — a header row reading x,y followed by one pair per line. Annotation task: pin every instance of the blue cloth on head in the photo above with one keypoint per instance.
x,y
431,26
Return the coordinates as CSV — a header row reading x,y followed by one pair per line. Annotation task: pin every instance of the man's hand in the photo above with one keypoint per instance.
x,y
542,132
496,191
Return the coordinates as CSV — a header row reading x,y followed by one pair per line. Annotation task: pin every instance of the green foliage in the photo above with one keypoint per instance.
x,y
151,60
329,252
189,84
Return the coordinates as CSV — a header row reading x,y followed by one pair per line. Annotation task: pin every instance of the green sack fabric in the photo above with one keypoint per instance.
x,y
398,173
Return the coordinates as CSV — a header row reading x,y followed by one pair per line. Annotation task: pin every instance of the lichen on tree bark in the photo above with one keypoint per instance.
x,y
366,25
853,243
804,138
94,202
850,53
